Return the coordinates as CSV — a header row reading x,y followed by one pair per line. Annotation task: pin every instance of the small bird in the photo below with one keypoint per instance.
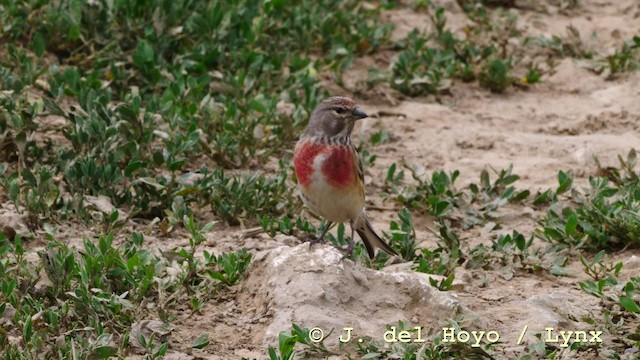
x,y
329,171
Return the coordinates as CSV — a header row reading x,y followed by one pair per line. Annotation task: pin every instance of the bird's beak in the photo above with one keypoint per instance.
x,y
359,114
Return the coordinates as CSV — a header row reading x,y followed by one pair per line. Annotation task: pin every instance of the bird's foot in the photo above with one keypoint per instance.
x,y
314,241
348,251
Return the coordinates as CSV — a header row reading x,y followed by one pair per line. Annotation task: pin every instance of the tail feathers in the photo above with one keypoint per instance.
x,y
372,241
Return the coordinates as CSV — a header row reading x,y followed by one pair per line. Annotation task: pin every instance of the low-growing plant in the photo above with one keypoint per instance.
x,y
93,295
513,253
299,337
32,190
605,215
235,198
495,76
429,61
403,236
438,196
624,59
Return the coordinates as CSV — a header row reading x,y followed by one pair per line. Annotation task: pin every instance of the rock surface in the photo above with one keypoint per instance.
x,y
316,289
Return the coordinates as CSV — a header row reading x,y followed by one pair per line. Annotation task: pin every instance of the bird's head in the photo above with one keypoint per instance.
x,y
334,117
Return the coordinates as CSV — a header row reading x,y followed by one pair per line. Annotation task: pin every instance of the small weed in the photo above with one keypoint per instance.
x,y
429,61
236,197
624,59
439,197
568,45
32,190
298,336
606,215
620,299
495,76
96,292
403,235
511,253
597,271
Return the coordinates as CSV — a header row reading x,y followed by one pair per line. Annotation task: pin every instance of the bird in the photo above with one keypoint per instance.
x,y
330,175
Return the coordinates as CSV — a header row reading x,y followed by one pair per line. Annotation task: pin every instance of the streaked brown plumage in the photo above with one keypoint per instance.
x,y
329,171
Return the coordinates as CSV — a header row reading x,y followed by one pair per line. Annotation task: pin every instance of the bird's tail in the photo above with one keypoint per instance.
x,y
370,239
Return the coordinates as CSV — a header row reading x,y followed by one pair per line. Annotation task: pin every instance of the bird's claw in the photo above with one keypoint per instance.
x,y
315,241
348,251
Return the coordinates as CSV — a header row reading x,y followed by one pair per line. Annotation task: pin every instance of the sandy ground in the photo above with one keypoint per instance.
x,y
559,124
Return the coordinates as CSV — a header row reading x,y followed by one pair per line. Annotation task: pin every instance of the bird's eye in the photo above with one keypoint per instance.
x,y
340,110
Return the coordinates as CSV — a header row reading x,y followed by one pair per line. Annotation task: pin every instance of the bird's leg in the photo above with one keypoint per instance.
x,y
349,250
320,239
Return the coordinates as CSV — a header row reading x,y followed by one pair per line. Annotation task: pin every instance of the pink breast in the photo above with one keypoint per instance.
x,y
338,167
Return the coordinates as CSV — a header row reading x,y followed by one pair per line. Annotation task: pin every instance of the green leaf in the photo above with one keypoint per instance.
x,y
599,256
133,166
521,242
390,172
14,190
553,233
272,354
286,344
27,330
302,334
104,352
542,198
162,350
201,341
218,276
74,32
632,159
485,183
176,165
558,270
440,208
38,44
446,284
629,304
522,195
571,224
565,180
144,54
258,106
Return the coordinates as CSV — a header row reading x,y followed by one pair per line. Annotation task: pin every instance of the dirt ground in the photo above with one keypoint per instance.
x,y
559,124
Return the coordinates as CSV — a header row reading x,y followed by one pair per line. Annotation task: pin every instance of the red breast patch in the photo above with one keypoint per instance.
x,y
303,161
338,166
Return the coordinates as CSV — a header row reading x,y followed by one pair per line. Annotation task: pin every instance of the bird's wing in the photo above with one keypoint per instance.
x,y
359,170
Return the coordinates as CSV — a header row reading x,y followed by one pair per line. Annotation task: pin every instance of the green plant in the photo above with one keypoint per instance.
x,y
428,61
596,270
512,253
439,197
606,215
236,197
624,59
420,69
232,266
298,335
495,76
33,190
403,236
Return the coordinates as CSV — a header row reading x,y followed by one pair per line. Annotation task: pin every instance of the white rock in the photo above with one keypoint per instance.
x,y
315,288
